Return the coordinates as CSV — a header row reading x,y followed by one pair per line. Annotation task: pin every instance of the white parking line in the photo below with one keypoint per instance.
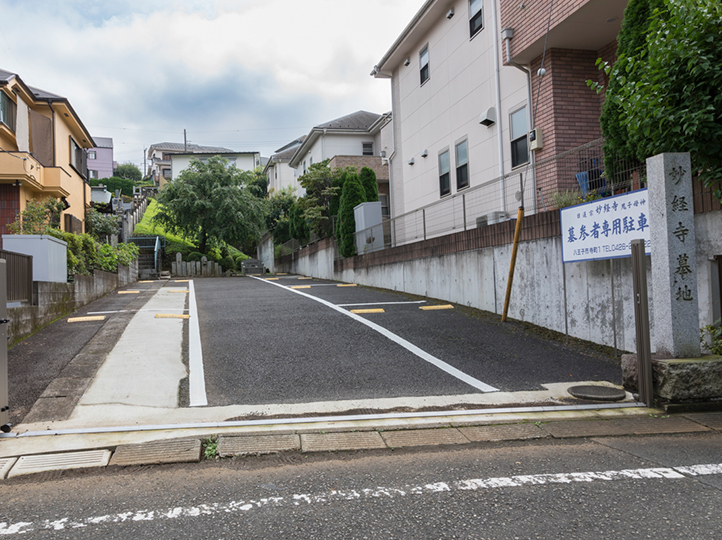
x,y
196,377
382,303
371,493
397,339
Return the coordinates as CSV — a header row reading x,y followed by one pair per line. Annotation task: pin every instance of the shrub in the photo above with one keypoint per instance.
x,y
194,256
227,263
367,177
240,258
353,195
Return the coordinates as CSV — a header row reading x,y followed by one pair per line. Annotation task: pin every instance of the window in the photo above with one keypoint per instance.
x,y
166,156
462,165
93,174
7,111
304,166
424,63
367,149
91,154
310,162
384,205
476,22
76,156
519,144
166,173
444,184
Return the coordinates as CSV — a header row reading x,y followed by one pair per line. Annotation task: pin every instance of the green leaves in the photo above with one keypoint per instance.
x,y
664,95
210,203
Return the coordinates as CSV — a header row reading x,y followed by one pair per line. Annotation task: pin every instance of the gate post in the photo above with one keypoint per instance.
x,y
4,398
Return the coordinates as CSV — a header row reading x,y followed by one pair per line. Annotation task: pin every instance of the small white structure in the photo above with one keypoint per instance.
x,y
279,173
369,227
50,255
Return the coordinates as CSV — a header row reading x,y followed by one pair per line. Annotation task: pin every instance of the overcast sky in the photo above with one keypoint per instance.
x,y
244,74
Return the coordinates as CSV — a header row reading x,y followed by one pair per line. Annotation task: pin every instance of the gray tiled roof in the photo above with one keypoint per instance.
x,y
191,148
103,142
7,76
360,120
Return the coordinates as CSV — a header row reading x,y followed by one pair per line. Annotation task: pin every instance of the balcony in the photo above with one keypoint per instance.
x,y
22,167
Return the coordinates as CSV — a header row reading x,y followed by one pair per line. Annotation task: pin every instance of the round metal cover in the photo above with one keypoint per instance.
x,y
597,393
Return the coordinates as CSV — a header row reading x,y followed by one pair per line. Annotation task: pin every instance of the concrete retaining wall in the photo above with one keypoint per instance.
x,y
478,277
54,300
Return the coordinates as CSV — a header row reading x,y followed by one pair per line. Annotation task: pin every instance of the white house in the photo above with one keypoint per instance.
x,y
460,117
244,161
361,139
279,173
159,156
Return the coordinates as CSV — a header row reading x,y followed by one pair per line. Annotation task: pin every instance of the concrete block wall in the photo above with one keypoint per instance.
x,y
477,278
53,300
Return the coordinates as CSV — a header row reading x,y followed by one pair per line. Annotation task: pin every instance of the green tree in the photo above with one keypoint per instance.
x,y
125,185
128,170
100,226
669,94
630,46
38,217
210,203
298,228
257,182
337,188
277,218
353,194
318,182
367,177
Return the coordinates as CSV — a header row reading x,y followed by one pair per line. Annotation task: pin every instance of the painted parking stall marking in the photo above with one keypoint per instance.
x,y
378,310
436,308
454,372
86,319
245,506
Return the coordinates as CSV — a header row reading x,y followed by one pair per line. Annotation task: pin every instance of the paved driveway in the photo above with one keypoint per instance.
x,y
293,340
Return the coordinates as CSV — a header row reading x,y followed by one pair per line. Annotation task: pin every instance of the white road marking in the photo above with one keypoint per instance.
x,y
129,311
365,494
196,376
382,303
399,340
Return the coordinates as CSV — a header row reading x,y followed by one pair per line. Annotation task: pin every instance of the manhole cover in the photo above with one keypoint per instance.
x,y
597,393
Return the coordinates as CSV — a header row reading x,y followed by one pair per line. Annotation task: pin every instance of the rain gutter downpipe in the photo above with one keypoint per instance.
x,y
506,35
497,77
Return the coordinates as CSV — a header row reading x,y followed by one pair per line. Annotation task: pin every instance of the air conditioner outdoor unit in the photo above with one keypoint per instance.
x,y
491,218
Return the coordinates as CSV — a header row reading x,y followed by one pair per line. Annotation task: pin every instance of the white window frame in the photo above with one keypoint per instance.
x,y
515,138
460,165
447,174
426,65
367,148
92,154
473,18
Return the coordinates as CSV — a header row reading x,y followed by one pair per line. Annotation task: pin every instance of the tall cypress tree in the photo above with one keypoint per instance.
x,y
367,177
352,195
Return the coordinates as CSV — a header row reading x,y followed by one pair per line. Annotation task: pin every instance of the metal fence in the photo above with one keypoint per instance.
x,y
19,276
572,177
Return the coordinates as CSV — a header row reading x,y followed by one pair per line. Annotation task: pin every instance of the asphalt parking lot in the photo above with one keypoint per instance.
x,y
288,339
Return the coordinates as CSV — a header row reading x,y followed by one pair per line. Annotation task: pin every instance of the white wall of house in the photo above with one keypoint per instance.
x,y
445,109
243,162
280,176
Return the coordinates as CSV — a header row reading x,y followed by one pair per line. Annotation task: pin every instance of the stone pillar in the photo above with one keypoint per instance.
x,y
674,265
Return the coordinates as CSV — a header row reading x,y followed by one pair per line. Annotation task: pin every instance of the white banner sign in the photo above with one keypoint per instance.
x,y
605,228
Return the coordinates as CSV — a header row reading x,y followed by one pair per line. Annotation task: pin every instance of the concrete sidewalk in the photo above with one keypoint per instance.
x,y
22,455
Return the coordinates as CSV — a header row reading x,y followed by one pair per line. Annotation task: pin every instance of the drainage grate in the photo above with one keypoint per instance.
x,y
5,465
60,462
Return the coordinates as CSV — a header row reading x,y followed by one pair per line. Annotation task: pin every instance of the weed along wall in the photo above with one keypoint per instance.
x,y
471,268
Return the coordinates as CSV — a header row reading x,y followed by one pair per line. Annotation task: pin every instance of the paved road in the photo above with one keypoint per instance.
x,y
628,487
264,341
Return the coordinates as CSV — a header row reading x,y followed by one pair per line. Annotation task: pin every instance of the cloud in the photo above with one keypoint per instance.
x,y
243,72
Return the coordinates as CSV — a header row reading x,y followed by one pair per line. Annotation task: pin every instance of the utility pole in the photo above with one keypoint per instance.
x,y
145,167
185,142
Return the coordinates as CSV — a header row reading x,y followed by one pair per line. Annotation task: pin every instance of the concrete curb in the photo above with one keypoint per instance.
x,y
181,447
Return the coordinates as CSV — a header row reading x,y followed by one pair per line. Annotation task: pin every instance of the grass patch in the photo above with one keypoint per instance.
x,y
174,243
